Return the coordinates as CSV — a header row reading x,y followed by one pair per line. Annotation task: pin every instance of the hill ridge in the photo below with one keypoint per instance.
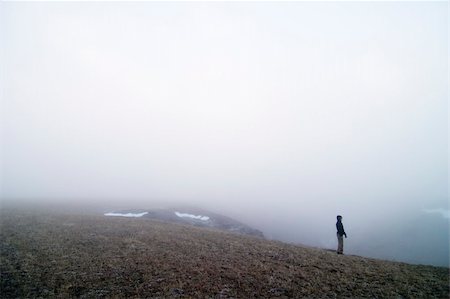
x,y
192,216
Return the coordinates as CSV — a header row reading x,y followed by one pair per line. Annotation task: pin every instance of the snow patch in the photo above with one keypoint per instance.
x,y
185,215
126,214
444,213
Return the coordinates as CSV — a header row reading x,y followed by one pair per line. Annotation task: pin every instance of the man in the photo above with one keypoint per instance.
x,y
340,234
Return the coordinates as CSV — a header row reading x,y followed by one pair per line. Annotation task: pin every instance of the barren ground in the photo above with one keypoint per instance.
x,y
65,255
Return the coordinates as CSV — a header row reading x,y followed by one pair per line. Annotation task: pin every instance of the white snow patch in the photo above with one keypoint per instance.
x,y
444,213
126,214
185,215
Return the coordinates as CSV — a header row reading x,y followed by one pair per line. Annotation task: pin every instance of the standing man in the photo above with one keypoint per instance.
x,y
340,234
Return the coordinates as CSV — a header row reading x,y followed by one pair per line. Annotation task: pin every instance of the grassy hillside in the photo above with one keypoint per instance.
x,y
62,255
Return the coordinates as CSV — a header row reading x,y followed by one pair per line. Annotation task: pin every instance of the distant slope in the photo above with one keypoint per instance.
x,y
65,255
196,217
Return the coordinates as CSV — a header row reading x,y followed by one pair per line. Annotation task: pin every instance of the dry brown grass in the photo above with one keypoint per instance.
x,y
63,255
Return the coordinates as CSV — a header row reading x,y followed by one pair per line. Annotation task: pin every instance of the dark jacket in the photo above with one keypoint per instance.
x,y
340,228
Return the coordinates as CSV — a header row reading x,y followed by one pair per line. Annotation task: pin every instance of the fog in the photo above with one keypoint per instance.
x,y
281,115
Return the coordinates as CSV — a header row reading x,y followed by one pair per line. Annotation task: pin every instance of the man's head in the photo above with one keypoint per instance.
x,y
339,217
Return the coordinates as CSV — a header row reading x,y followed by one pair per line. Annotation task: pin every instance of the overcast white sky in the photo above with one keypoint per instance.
x,y
298,108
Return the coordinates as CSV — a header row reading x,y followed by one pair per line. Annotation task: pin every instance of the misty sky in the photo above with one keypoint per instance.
x,y
296,110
